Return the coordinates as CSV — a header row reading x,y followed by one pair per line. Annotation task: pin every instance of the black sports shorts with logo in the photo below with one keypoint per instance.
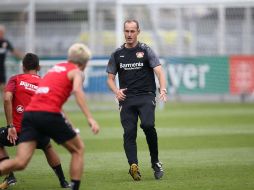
x,y
3,137
40,125
41,144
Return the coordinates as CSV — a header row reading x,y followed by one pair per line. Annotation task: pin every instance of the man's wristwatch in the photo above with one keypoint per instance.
x,y
10,126
165,90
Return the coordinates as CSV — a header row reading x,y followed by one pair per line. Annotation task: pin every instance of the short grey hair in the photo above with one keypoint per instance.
x,y
131,20
79,53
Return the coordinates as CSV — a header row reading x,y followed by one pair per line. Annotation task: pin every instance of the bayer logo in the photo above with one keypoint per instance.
x,y
20,109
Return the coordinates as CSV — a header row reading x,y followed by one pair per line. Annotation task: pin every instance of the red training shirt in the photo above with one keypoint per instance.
x,y
23,87
54,89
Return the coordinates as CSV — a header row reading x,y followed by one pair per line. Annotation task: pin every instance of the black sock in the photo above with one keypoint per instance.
x,y
75,184
11,174
59,172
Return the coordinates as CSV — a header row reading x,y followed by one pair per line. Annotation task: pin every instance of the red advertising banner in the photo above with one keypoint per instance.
x,y
241,74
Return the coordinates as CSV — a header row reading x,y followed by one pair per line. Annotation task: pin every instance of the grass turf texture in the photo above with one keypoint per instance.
x,y
203,147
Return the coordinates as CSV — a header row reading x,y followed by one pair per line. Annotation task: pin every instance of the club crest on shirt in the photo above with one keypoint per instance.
x,y
20,109
140,54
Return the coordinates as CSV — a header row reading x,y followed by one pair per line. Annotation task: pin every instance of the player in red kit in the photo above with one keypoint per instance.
x,y
18,92
43,117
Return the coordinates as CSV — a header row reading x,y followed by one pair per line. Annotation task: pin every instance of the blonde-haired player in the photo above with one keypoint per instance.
x,y
43,116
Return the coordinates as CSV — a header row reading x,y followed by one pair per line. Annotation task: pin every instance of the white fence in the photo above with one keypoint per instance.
x,y
183,27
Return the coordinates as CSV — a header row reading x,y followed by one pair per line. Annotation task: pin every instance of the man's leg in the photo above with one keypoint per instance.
x,y
3,154
76,147
2,80
147,117
129,119
9,179
1,90
54,162
24,154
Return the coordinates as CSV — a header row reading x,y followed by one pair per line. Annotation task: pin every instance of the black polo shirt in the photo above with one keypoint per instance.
x,y
5,45
135,68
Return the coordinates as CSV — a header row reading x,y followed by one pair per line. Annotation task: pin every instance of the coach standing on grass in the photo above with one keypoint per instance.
x,y
5,46
43,117
136,64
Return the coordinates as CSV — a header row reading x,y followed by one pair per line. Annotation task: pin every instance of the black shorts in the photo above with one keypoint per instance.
x,y
41,144
38,125
3,137
2,74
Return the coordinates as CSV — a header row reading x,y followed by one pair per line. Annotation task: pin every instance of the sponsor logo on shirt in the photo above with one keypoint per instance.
x,y
57,69
28,86
140,54
42,90
131,66
20,109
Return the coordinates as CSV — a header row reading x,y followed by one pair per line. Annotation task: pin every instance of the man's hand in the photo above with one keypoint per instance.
x,y
163,95
120,95
12,135
94,125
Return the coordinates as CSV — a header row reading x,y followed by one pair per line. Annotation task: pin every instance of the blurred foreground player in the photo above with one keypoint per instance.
x,y
18,92
43,117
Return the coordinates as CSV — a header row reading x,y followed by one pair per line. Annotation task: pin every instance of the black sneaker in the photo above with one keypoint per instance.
x,y
134,172
11,180
158,170
65,184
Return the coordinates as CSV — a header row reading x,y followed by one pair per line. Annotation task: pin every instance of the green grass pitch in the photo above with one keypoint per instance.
x,y
202,146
